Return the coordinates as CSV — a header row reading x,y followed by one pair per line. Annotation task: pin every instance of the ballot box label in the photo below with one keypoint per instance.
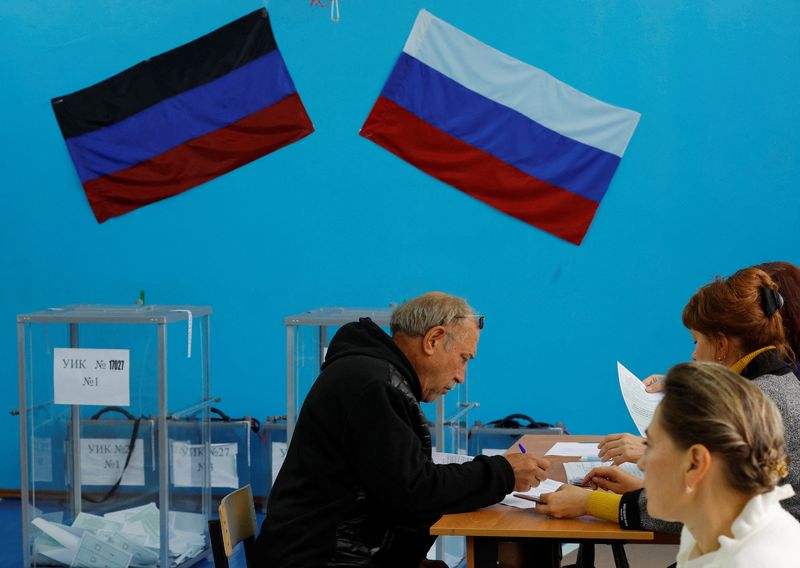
x,y
279,450
103,461
189,464
91,376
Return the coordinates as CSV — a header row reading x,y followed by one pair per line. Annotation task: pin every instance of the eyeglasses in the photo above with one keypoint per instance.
x,y
477,317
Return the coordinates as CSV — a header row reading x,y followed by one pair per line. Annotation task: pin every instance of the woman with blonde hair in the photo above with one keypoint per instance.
x,y
714,458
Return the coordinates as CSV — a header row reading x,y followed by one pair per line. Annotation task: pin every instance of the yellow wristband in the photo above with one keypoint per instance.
x,y
604,505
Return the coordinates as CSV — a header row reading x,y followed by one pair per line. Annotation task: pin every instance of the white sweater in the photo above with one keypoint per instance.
x,y
764,534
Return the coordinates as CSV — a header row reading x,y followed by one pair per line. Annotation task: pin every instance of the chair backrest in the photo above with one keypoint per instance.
x,y
237,518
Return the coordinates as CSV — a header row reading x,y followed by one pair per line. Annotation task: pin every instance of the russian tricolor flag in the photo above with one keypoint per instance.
x,y
182,118
500,130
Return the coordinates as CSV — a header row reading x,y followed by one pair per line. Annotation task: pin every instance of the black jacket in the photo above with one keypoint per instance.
x,y
358,487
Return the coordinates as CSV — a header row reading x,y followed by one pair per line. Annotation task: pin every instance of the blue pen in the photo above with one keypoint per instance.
x,y
522,449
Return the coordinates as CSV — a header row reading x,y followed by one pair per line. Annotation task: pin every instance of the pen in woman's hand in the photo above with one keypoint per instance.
x,y
522,449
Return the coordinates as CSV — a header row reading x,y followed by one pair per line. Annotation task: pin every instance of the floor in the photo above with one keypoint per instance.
x,y
639,556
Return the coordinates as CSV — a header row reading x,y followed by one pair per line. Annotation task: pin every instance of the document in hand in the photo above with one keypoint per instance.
x,y
528,499
577,471
641,404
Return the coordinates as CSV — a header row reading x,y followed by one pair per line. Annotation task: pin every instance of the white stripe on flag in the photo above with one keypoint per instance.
x,y
522,87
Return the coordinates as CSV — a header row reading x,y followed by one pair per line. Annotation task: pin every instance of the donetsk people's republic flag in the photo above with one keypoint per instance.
x,y
182,118
500,130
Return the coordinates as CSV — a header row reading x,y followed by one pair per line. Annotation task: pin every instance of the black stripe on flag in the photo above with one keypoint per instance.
x,y
166,75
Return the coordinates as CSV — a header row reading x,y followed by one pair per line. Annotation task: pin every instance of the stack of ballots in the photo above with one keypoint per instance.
x,y
119,539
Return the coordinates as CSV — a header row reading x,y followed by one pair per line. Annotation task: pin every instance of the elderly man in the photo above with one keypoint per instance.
x,y
358,487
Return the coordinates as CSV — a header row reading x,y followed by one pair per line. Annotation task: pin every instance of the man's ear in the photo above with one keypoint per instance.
x,y
698,466
432,338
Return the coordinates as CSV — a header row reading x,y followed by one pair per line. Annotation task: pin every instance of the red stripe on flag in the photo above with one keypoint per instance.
x,y
199,160
479,174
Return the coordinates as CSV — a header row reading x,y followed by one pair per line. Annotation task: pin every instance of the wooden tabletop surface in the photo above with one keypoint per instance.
x,y
511,522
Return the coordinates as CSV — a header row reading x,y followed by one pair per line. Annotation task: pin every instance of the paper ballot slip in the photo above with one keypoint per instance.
x,y
528,499
442,458
577,471
641,404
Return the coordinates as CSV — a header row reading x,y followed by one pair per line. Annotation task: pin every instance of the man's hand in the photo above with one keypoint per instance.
x,y
612,479
569,501
653,383
528,470
621,448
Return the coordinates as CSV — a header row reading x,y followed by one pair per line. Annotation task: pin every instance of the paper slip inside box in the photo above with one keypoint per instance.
x,y
95,553
129,537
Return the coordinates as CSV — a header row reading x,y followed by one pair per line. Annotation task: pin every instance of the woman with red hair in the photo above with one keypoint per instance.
x,y
737,322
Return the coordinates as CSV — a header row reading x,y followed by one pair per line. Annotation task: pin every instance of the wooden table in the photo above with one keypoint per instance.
x,y
486,527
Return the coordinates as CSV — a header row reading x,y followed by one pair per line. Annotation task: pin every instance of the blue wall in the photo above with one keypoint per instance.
x,y
708,185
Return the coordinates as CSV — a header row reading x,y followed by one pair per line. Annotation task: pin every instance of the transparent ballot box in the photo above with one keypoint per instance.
x,y
115,441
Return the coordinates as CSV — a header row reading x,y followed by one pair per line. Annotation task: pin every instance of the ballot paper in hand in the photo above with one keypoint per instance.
x,y
528,499
641,404
577,471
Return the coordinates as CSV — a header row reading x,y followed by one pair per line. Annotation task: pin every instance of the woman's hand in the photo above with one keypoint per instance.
x,y
653,383
613,479
569,501
621,448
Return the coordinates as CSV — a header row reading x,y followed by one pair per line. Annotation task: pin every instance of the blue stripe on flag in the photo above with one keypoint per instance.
x,y
499,130
513,83
173,121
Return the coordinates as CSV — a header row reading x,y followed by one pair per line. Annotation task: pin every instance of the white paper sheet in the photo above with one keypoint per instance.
x,y
45,550
59,533
141,556
127,537
493,452
279,450
574,449
95,523
91,376
95,553
576,471
641,404
512,501
188,464
445,458
546,486
102,460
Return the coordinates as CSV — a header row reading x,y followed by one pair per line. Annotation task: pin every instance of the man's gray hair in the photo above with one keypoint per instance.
x,y
416,316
